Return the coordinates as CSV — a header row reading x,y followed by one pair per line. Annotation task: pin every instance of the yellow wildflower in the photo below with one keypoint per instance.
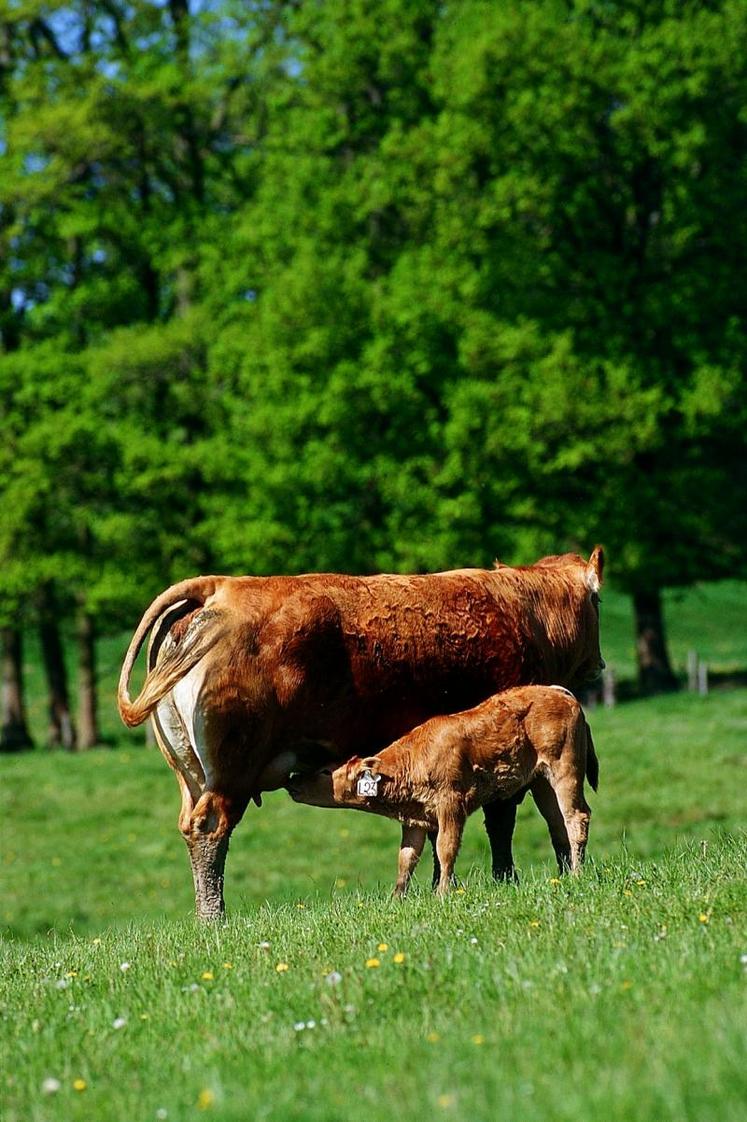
x,y
205,1099
383,947
207,975
79,1084
372,962
704,917
399,957
281,967
478,1038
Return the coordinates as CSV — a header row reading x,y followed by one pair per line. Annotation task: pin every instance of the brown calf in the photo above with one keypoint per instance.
x,y
250,678
442,771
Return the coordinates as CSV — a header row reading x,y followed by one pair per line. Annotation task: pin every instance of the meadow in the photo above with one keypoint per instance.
x,y
619,994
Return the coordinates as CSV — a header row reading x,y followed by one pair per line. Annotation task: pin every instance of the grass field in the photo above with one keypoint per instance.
x,y
620,995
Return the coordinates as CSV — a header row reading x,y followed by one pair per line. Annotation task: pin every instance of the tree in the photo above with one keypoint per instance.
x,y
597,154
483,315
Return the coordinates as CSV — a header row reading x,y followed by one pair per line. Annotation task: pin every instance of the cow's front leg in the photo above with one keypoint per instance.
x,y
432,836
207,830
500,819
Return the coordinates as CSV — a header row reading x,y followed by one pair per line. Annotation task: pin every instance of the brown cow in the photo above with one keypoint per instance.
x,y
251,677
442,771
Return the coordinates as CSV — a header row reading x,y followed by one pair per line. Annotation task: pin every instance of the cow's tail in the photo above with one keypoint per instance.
x,y
179,661
592,763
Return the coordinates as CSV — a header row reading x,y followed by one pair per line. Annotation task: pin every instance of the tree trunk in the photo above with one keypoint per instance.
x,y
655,673
61,727
88,718
14,733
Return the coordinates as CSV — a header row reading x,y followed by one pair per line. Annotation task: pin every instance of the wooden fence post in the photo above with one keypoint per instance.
x,y
692,671
703,679
608,688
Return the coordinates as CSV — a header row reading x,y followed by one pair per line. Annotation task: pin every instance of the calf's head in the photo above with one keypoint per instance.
x,y
344,785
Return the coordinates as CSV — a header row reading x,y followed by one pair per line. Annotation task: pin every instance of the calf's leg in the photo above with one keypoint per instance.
x,y
450,830
411,846
436,878
576,815
547,803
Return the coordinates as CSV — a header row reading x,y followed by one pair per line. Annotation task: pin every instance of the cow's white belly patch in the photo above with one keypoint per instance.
x,y
186,699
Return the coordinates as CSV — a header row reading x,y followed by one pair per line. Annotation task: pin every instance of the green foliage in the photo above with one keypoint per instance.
x,y
369,286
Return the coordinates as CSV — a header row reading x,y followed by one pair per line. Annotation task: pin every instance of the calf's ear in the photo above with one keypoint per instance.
x,y
595,569
374,764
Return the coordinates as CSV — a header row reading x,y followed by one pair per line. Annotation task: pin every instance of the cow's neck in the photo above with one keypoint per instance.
x,y
557,617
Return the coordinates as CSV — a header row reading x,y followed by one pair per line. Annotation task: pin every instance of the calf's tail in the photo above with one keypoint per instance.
x,y
178,662
592,763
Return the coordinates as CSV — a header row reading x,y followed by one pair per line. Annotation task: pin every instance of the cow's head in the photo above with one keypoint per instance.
x,y
568,614
342,785
591,663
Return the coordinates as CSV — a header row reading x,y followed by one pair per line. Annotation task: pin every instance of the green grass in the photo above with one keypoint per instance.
x,y
708,618
619,995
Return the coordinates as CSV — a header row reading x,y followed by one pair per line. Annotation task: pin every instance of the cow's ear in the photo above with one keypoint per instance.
x,y
353,766
595,569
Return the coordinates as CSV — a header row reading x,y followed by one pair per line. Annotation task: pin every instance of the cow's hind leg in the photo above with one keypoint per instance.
x,y
206,827
500,820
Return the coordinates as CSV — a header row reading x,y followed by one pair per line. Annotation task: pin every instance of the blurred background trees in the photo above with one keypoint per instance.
x,y
361,285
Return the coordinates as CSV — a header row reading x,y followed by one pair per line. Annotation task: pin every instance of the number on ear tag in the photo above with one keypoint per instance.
x,y
368,785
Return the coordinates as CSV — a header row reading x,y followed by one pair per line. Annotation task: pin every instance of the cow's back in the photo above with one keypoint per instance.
x,y
354,662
